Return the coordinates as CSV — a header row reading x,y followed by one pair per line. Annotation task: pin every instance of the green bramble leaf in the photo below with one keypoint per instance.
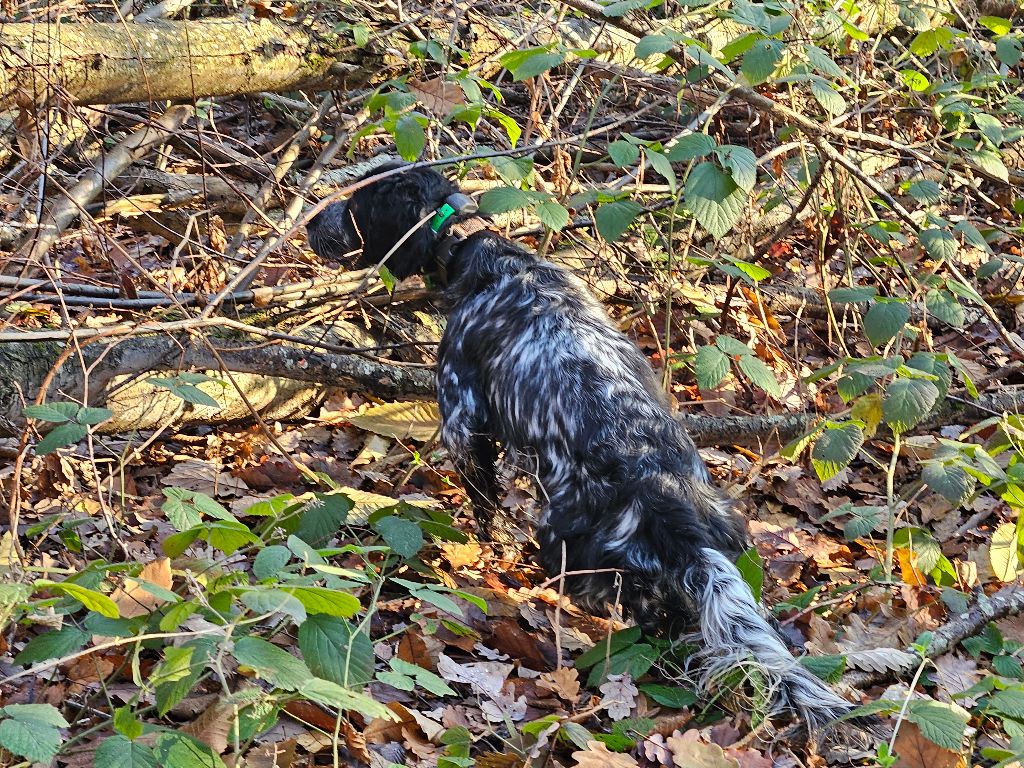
x,y
835,448
710,366
884,320
613,219
907,401
715,198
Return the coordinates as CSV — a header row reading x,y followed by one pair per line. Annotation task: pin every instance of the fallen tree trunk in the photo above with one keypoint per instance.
x,y
111,63
286,381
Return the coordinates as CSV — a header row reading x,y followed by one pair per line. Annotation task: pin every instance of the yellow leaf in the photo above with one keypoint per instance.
x,y
1002,552
418,420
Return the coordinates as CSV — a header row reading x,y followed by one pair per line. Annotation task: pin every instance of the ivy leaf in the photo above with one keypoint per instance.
x,y
710,366
716,200
612,219
835,448
884,320
907,401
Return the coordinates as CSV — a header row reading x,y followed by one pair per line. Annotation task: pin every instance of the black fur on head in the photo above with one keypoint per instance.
x,y
369,224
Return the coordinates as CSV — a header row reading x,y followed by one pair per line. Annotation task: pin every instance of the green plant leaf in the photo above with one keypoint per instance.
x,y
884,320
323,600
504,199
623,153
949,480
852,295
55,413
740,163
929,41
925,191
944,305
663,166
940,723
668,695
228,536
410,139
176,750
424,677
828,668
751,568
716,200
403,536
613,219
270,561
907,401
333,695
1009,702
264,602
38,743
552,214
1009,50
91,599
827,96
760,61
61,436
118,752
336,650
531,62
692,146
322,518
835,448
52,645
611,645
760,375
939,244
710,366
649,45
276,666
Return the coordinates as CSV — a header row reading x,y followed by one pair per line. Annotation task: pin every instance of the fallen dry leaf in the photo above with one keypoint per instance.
x,y
133,599
437,95
564,682
598,756
619,696
688,751
915,751
213,726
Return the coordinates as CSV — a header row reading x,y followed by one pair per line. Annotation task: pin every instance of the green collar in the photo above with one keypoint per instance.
x,y
444,213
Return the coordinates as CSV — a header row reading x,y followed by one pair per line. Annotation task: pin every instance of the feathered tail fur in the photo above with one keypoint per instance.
x,y
735,636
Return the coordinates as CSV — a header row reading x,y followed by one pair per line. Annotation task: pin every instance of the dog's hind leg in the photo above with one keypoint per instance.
x,y
465,433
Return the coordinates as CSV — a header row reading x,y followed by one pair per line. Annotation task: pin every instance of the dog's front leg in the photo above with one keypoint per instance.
x,y
466,435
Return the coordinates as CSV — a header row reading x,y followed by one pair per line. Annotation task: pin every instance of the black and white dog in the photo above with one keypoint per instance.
x,y
531,361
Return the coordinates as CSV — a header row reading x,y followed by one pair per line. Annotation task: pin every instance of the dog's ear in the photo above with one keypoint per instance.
x,y
331,233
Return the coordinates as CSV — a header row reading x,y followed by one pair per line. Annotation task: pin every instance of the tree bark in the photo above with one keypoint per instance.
x,y
110,63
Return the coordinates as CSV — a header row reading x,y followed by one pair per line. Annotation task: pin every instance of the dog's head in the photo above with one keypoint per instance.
x,y
399,221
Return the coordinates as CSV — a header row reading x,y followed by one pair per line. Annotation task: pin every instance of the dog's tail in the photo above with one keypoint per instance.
x,y
735,637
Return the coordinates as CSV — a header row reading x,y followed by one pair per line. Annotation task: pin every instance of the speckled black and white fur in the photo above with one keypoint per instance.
x,y
530,363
